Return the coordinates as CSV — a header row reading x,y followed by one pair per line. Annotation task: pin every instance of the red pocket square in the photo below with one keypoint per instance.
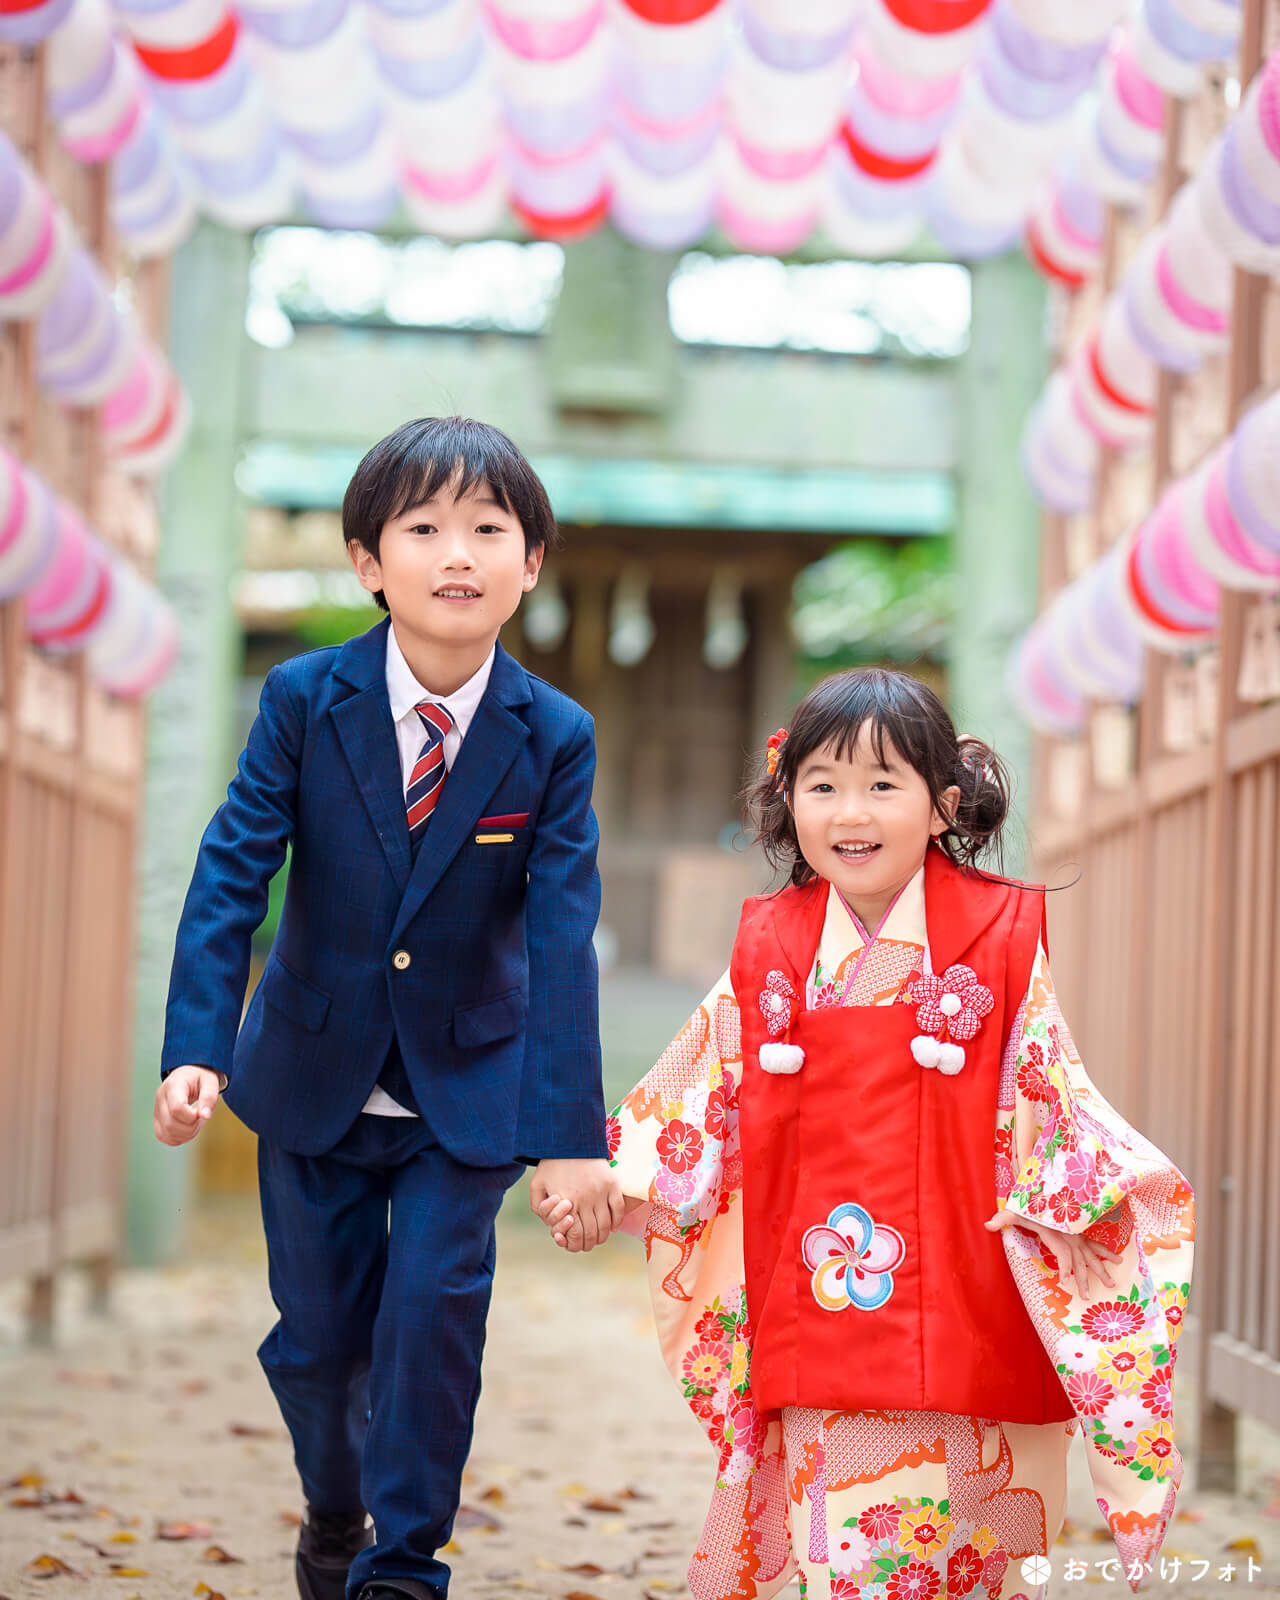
x,y
515,819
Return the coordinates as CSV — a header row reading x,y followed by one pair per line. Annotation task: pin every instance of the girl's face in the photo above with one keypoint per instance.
x,y
864,824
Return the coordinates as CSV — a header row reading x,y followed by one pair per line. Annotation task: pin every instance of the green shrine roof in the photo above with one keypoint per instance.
x,y
588,490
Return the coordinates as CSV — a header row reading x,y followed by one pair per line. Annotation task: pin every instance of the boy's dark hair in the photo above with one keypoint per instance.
x,y
426,455
905,712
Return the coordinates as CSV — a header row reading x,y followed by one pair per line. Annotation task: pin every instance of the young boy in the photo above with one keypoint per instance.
x,y
427,1019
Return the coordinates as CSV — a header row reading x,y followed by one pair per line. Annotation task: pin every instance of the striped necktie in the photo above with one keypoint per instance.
x,y
428,775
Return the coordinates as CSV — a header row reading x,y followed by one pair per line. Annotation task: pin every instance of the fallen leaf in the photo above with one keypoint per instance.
x,y
194,1386
581,1594
1245,1547
664,1585
50,1567
203,1592
40,1497
494,1495
613,1525
585,1569
597,1503
249,1430
1101,1536
453,1548
1067,1532
123,1537
633,1494
215,1552
654,1527
291,1519
1189,1516
26,1480
469,1517
119,1570
183,1530
574,1491
575,1522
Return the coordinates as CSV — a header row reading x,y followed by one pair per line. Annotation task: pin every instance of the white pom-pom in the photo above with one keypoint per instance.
x,y
950,1059
949,1005
782,1058
926,1050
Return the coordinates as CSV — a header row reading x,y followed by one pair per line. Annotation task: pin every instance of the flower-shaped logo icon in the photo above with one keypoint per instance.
x,y
950,1012
853,1259
777,1003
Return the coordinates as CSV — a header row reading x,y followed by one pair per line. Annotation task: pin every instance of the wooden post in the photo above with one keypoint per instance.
x,y
1217,1463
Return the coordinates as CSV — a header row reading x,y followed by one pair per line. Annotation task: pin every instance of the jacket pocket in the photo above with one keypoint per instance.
x,y
285,991
492,1019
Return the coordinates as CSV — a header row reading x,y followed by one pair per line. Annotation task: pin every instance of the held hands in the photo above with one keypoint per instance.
x,y
580,1201
184,1103
1078,1257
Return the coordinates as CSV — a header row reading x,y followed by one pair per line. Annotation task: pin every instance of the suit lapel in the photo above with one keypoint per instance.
x,y
367,734
491,744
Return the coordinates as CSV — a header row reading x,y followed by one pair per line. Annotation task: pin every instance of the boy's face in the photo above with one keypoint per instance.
x,y
452,568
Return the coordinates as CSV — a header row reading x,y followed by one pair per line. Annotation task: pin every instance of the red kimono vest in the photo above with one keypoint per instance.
x,y
871,1282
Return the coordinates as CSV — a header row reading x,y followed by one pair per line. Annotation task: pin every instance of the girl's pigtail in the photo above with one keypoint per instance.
x,y
986,792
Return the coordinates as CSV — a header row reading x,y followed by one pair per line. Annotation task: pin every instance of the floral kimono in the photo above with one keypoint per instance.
x,y
880,1502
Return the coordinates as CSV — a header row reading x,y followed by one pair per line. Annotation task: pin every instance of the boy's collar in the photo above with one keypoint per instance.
x,y
405,692
362,662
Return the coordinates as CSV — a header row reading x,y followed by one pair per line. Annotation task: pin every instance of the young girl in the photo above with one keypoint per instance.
x,y
899,1246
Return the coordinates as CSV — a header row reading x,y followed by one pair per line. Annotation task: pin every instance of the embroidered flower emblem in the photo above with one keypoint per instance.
x,y
880,1521
1112,1320
1089,1393
914,1581
954,1004
705,1362
964,1569
777,1003
853,1259
950,1012
850,1550
679,1146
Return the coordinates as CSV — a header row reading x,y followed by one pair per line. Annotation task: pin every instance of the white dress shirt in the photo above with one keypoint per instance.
x,y
405,693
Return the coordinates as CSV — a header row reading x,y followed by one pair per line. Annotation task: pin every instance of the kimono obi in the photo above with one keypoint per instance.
x,y
871,1282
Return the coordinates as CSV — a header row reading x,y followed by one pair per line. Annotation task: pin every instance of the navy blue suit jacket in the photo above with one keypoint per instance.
x,y
496,1013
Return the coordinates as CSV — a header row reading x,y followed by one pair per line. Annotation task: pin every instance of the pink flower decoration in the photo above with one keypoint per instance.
x,y
777,1003
951,1006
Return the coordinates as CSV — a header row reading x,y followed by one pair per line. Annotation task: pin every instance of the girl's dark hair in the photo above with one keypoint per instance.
x,y
426,455
899,710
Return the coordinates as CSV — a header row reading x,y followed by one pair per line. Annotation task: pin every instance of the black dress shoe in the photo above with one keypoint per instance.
x,y
398,1589
328,1544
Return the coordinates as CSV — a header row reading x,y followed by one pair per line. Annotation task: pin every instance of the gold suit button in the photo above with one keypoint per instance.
x,y
401,960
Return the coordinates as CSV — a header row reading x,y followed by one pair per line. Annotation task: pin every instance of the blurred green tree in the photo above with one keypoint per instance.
x,y
874,600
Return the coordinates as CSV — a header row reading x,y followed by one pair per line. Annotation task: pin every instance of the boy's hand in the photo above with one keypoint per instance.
x,y
184,1103
581,1201
1078,1257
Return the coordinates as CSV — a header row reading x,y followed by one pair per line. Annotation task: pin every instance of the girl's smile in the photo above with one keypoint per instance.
x,y
863,819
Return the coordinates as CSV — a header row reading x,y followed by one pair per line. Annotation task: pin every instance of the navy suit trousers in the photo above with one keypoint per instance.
x,y
381,1256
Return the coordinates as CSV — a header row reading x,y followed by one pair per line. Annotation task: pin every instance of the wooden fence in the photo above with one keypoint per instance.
x,y
70,770
1167,950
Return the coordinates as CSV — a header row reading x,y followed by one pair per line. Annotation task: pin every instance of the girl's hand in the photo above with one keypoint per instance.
x,y
557,1214
1079,1258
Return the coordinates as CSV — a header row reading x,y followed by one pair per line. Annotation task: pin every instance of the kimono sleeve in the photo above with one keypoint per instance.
x,y
674,1137
1071,1161
1067,1160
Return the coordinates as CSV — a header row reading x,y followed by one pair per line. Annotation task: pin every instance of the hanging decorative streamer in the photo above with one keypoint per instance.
x,y
78,595
1161,586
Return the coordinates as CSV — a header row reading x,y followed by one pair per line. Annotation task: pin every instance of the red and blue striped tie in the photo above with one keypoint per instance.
x,y
428,775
